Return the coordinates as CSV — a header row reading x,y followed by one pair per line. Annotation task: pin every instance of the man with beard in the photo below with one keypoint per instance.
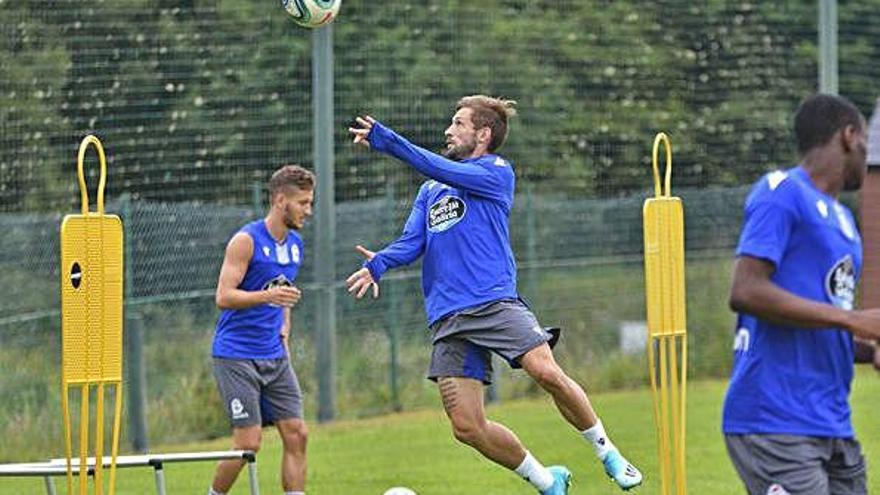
x,y
250,351
459,223
786,416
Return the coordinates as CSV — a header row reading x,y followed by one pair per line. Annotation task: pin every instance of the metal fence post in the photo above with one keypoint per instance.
x,y
257,197
136,403
325,220
136,378
392,322
828,46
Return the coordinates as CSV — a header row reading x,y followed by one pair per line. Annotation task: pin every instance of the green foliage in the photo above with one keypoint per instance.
x,y
196,99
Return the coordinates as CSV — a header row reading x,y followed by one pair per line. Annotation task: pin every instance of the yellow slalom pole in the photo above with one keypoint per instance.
x,y
68,442
84,440
117,420
99,442
681,475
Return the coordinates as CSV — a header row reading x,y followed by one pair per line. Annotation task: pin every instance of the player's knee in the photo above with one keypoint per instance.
x,y
296,436
467,431
549,376
252,444
465,434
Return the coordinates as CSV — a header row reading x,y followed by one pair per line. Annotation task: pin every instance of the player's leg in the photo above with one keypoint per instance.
x,y
460,369
781,464
463,403
510,329
238,383
246,438
570,398
575,407
282,401
294,436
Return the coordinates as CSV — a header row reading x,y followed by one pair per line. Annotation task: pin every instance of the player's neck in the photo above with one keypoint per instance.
x,y
825,171
276,227
480,150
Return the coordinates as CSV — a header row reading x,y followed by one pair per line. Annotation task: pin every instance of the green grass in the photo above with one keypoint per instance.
x,y
416,450
588,301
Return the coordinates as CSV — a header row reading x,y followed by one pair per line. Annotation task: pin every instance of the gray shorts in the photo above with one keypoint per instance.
x,y
463,340
798,465
258,391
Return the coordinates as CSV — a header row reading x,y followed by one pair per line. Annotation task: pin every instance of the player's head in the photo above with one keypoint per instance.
x,y
479,126
291,193
829,120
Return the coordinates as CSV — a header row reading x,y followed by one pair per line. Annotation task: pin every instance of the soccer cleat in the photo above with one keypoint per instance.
x,y
621,471
561,481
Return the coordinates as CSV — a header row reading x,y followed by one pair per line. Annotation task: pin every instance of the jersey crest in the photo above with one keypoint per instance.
x,y
446,212
840,283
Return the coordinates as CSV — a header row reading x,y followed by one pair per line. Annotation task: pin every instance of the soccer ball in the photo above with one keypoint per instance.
x,y
399,490
312,13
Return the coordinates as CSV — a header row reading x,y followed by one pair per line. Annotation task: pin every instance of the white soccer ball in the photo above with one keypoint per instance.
x,y
399,490
312,13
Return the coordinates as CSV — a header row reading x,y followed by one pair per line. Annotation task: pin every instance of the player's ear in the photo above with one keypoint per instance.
x,y
849,137
484,135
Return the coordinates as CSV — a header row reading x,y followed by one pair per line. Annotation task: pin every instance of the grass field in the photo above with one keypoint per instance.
x,y
416,450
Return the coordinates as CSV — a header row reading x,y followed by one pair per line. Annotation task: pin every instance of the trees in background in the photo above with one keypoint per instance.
x,y
200,100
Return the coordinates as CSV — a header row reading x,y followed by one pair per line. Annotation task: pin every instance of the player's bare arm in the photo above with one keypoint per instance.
x,y
285,330
228,296
753,292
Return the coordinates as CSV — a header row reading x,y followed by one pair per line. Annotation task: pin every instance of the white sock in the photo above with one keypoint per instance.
x,y
598,439
294,493
211,491
535,473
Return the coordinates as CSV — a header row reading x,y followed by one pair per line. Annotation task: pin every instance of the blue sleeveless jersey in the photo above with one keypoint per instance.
x,y
459,222
789,380
254,333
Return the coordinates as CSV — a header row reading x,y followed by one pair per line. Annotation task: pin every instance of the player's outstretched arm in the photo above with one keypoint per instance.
x,y
235,263
753,292
493,182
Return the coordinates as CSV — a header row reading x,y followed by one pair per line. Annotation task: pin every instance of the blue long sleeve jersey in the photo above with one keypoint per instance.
x,y
459,222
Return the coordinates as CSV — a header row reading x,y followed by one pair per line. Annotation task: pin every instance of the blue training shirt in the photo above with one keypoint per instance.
x,y
459,221
255,332
789,380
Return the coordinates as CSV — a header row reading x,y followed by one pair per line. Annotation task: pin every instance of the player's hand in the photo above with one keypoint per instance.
x,y
361,130
864,324
360,282
283,296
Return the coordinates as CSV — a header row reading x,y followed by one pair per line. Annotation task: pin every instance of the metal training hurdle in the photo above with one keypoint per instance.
x,y
58,467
